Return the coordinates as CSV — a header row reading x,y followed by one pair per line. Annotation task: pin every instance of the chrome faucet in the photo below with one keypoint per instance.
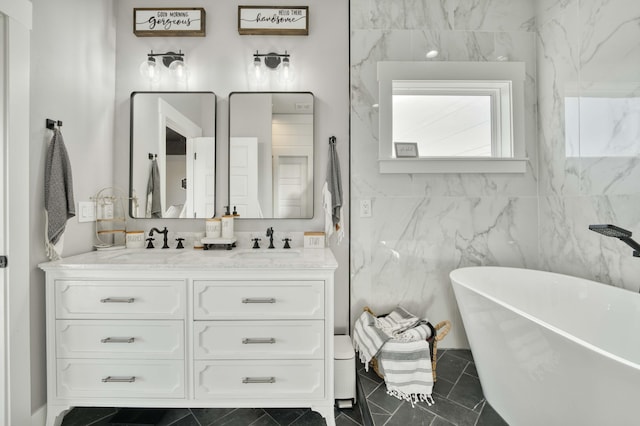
x,y
165,232
270,235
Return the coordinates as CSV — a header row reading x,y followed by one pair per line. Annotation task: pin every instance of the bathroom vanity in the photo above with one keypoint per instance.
x,y
190,328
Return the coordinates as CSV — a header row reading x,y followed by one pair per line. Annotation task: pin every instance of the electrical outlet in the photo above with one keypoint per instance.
x,y
86,211
365,208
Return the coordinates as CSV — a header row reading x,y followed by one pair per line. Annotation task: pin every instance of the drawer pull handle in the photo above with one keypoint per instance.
x,y
258,300
250,340
118,340
251,380
118,300
112,379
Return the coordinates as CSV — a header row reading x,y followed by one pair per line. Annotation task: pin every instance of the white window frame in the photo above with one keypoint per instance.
x,y
503,80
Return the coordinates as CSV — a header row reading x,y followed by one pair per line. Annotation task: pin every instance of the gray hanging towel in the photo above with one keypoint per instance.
x,y
154,207
58,189
334,181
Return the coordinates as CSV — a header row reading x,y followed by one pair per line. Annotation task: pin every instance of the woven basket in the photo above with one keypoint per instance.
x,y
438,332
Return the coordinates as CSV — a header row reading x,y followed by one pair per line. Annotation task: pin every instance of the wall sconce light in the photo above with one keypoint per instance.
x,y
173,61
273,61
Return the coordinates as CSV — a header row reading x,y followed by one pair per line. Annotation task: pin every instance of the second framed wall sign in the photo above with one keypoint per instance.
x,y
273,20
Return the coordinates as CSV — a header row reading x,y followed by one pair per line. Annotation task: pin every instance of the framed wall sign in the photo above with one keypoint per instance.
x,y
406,149
273,20
169,22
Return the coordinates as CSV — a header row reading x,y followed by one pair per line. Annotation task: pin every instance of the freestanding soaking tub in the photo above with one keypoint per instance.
x,y
552,349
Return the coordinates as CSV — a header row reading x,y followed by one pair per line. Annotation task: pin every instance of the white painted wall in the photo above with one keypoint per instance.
x,y
73,80
219,62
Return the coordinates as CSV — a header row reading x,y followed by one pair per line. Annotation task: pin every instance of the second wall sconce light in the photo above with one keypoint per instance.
x,y
273,61
171,60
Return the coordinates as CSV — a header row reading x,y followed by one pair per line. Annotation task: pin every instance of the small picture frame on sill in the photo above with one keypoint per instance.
x,y
273,20
406,149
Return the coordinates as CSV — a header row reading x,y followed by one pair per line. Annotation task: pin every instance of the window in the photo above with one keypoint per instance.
x,y
464,117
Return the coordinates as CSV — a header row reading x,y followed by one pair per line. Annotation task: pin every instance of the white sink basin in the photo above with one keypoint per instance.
x,y
268,254
146,256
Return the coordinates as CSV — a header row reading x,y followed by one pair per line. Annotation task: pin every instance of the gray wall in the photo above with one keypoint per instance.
x,y
72,80
83,74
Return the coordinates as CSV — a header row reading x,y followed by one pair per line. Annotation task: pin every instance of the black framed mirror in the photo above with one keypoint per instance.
x,y
271,144
172,170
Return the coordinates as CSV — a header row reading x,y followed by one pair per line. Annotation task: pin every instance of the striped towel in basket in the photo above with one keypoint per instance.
x,y
368,338
406,366
398,341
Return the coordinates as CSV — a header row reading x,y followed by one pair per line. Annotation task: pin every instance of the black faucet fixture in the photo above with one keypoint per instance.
x,y
286,243
270,235
255,243
619,233
165,232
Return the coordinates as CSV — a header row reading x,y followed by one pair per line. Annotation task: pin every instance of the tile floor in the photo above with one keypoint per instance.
x,y
457,393
458,396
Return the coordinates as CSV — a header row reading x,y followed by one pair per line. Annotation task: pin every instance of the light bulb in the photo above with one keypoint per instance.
x,y
286,71
149,70
257,65
179,70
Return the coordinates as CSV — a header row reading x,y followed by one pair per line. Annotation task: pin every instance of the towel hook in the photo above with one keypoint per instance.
x,y
152,156
332,140
52,123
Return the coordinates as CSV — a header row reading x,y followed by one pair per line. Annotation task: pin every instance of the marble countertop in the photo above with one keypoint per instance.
x,y
191,259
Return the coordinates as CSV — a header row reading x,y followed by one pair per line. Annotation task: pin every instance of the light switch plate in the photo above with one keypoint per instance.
x,y
86,211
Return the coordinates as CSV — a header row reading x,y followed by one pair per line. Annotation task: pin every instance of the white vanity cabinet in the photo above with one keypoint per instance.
x,y
106,347
199,330
264,339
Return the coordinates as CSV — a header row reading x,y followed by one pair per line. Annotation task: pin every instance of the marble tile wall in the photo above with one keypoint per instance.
x,y
425,225
589,136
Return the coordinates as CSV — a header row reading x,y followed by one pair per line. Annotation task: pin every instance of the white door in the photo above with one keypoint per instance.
x,y
3,229
243,176
291,188
168,116
15,389
201,177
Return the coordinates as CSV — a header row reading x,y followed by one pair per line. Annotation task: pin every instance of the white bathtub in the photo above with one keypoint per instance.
x,y
552,349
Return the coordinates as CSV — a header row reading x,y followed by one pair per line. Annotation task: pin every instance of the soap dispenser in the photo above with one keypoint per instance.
x,y
227,224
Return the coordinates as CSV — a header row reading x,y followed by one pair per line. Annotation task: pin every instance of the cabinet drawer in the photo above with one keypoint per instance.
x,y
259,299
265,380
120,339
120,299
259,339
120,379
